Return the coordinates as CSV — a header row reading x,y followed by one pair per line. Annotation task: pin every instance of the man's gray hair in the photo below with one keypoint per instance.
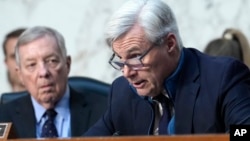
x,y
154,16
37,32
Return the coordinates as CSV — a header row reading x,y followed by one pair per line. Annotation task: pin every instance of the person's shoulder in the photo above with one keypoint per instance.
x,y
217,65
121,80
121,84
225,65
225,62
214,60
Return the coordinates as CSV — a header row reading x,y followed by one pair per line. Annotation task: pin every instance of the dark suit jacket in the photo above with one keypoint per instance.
x,y
212,93
85,110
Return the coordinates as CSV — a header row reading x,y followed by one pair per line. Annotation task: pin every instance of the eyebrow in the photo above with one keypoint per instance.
x,y
27,60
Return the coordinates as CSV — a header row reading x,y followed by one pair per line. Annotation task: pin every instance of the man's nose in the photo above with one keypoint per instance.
x,y
43,70
128,71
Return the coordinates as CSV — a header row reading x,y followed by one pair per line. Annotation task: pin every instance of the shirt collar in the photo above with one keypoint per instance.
x,y
170,83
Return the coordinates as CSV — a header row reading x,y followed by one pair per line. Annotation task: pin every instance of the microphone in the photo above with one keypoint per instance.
x,y
116,133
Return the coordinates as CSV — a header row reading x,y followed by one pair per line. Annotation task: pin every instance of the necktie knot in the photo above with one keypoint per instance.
x,y
164,100
51,113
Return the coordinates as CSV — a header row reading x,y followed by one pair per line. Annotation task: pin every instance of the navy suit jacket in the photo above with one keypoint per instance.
x,y
85,110
212,93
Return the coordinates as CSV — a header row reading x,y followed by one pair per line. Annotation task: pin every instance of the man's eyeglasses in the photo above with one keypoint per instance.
x,y
133,63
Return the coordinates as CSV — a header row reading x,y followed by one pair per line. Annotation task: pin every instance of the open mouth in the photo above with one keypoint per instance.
x,y
139,84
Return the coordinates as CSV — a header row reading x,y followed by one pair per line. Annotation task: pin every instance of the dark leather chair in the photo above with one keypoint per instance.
x,y
78,83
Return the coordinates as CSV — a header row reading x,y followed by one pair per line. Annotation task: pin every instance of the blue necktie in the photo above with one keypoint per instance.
x,y
49,128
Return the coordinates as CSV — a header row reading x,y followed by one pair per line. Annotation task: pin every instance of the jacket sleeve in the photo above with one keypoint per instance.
x,y
104,126
235,95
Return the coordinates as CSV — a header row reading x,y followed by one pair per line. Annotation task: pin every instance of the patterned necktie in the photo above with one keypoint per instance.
x,y
165,109
49,128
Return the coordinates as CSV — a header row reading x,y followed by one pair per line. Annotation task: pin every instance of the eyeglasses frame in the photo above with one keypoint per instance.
x,y
138,57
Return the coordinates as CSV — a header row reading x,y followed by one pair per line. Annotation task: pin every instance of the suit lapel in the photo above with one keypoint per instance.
x,y
186,94
26,122
184,108
79,124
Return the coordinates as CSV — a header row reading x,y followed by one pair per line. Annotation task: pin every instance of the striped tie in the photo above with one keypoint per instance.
x,y
165,107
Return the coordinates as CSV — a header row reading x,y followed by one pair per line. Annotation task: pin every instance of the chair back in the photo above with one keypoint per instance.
x,y
78,83
90,85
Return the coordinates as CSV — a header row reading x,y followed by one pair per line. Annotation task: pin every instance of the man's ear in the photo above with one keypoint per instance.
x,y
18,70
170,41
68,63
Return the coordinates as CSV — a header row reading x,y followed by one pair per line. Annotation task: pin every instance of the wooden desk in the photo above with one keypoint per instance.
x,y
10,136
212,137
